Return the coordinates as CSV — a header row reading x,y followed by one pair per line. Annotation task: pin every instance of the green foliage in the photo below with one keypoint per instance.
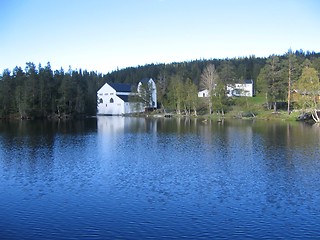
x,y
191,100
176,93
40,93
308,87
182,96
227,72
220,101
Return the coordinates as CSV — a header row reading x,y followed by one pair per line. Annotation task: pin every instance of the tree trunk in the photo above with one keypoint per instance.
x,y
315,116
178,108
210,107
267,101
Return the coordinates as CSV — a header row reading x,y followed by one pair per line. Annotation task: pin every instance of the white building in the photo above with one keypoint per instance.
x,y
113,99
203,93
147,90
245,89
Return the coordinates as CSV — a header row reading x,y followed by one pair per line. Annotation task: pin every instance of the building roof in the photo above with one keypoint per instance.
x,y
125,98
121,87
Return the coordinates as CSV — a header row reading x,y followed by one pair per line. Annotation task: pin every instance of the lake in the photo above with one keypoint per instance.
x,y
137,178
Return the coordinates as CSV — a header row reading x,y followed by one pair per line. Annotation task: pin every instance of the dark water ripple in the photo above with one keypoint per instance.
x,y
120,178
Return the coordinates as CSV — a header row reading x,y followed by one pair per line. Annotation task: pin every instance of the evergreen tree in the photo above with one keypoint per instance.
x,y
6,90
271,81
227,73
32,89
20,91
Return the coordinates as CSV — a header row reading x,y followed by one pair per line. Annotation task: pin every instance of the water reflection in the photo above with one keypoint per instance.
x,y
133,178
38,153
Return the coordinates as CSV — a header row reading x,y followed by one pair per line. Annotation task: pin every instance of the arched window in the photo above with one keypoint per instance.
x,y
100,100
111,100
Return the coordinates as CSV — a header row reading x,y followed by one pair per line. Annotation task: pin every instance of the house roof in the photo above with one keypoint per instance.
x,y
125,98
204,90
121,87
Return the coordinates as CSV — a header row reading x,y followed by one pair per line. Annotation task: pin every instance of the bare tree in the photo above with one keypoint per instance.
x,y
162,87
208,81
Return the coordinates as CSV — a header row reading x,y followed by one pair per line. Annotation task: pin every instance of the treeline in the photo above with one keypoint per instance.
x,y
275,77
44,93
38,92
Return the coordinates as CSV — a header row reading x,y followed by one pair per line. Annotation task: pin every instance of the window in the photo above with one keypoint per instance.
x,y
111,93
106,94
100,100
111,100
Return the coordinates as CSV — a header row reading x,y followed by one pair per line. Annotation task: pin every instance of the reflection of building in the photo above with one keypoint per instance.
x,y
113,99
245,89
118,132
112,124
117,124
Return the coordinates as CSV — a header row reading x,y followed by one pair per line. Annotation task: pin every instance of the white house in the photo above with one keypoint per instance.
x,y
203,93
147,90
245,89
113,99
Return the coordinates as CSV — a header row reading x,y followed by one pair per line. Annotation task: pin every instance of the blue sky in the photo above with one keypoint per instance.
x,y
103,35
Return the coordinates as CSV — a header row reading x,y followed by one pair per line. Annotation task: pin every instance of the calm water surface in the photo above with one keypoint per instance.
x,y
134,178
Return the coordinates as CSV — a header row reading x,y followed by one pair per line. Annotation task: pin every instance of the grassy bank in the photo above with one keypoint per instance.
x,y
243,108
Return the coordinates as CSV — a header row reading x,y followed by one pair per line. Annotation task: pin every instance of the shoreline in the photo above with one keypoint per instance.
x,y
264,115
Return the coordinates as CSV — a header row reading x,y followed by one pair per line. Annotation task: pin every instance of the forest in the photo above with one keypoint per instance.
x,y
41,92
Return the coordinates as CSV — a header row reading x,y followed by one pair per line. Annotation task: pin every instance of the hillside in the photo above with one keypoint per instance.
x,y
38,92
